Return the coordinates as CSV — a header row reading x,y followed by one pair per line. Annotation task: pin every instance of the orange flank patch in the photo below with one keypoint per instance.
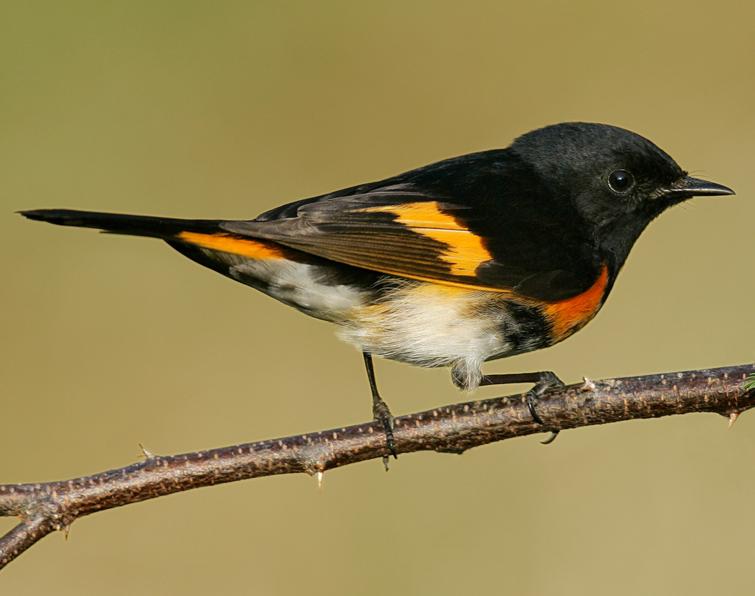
x,y
245,247
465,250
570,315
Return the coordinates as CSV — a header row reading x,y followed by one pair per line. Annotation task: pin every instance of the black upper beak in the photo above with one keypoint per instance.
x,y
695,187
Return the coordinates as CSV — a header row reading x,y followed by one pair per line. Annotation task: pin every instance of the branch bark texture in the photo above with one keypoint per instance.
x,y
49,506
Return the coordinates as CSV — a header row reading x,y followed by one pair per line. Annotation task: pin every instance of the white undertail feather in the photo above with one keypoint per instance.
x,y
297,285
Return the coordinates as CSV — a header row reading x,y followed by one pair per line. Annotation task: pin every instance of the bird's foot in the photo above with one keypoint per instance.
x,y
544,381
548,382
383,415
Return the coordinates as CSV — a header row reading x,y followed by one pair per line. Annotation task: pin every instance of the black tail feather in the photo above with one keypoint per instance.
x,y
116,223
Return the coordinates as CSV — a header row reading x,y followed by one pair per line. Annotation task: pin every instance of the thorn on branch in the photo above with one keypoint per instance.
x,y
146,452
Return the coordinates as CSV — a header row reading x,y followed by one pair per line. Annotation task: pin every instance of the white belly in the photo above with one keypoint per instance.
x,y
431,325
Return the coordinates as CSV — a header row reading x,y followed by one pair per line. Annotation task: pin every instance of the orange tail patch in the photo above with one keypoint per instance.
x,y
245,247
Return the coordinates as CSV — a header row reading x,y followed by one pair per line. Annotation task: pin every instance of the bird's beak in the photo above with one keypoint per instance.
x,y
695,187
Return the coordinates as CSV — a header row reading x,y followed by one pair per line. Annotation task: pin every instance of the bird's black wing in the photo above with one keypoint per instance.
x,y
438,232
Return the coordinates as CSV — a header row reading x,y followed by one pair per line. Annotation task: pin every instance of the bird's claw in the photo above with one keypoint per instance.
x,y
383,415
548,381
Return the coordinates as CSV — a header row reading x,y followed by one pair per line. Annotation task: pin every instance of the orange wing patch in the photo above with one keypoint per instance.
x,y
570,315
465,250
245,247
423,214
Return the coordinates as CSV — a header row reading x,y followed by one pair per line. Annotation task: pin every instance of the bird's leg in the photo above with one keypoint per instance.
x,y
380,409
543,381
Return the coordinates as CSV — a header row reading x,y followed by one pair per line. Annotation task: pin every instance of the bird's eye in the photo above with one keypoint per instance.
x,y
620,181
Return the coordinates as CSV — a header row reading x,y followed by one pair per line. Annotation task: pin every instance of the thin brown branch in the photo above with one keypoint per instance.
x,y
51,506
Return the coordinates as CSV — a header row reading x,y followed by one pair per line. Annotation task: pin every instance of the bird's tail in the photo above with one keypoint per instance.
x,y
132,225
202,240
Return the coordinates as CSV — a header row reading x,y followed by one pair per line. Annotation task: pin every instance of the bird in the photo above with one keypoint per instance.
x,y
469,259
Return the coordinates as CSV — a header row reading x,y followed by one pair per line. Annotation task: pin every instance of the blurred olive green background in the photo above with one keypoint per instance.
x,y
225,109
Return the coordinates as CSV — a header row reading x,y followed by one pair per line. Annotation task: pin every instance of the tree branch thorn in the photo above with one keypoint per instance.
x,y
146,452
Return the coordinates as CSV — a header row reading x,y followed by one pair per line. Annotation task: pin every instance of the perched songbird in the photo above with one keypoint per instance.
x,y
465,260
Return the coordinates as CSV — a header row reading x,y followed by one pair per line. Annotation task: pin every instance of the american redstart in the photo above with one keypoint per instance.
x,y
455,263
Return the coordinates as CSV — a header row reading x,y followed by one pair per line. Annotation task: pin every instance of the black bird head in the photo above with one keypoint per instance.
x,y
617,180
